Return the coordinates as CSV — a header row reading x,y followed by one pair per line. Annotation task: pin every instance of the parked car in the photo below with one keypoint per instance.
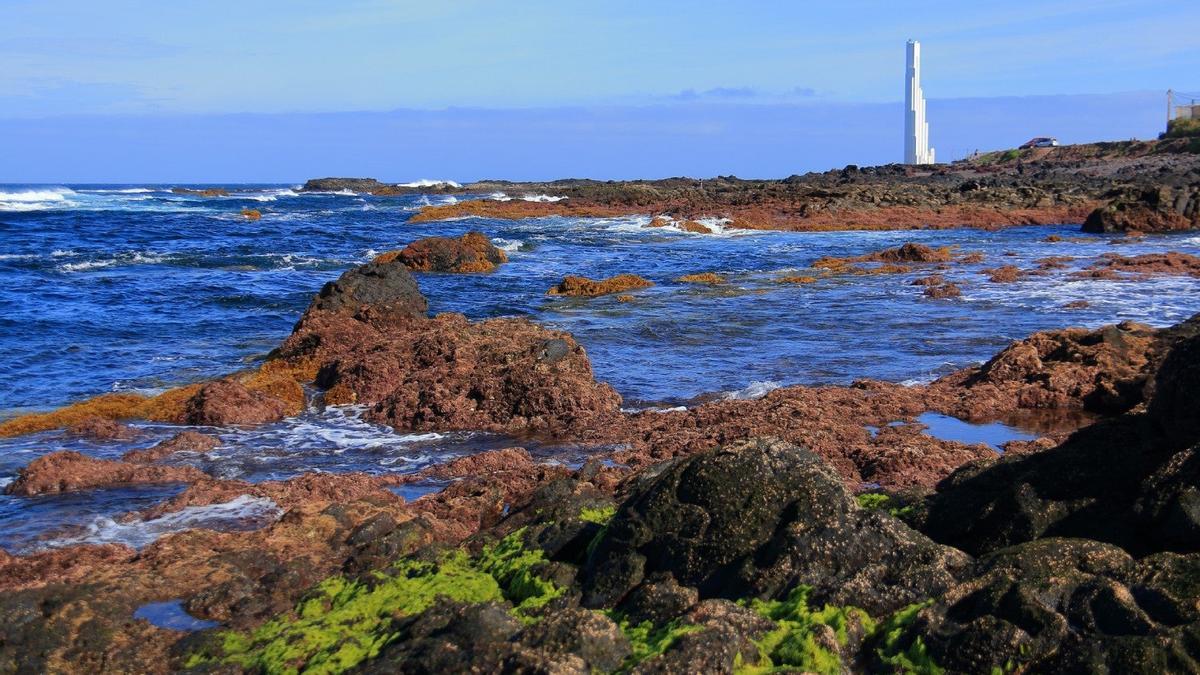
x,y
1040,142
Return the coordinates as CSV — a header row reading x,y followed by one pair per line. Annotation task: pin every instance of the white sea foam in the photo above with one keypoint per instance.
x,y
55,195
499,197
427,182
541,198
35,200
243,512
127,258
122,191
6,481
509,245
756,389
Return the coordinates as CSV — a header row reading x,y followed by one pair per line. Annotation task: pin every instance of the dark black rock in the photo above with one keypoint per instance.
x,y
387,288
1068,605
755,519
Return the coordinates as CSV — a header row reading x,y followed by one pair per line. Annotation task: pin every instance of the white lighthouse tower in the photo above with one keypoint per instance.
x,y
916,129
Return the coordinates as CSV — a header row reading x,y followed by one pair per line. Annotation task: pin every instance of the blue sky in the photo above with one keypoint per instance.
x,y
612,70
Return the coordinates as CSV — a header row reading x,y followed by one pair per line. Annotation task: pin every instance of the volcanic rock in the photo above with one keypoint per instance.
x,y
67,471
584,287
1157,209
375,291
755,518
1104,370
1131,481
1064,606
101,429
186,441
472,252
230,402
500,375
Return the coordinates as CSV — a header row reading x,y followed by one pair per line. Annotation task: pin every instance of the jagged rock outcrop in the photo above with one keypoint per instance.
x,y
1066,606
1158,209
1133,481
1105,371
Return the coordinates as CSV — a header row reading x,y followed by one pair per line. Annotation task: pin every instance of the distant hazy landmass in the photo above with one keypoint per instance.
x,y
620,142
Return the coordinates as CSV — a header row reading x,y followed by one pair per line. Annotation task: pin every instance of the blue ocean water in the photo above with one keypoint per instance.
x,y
134,287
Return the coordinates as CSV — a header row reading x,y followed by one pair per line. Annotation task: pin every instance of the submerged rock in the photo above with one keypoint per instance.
x,y
757,518
186,441
584,287
67,471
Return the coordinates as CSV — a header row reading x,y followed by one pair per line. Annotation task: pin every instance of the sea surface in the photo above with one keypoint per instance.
x,y
136,288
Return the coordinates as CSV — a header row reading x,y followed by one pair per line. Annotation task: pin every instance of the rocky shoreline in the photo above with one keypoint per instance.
x,y
1135,186
813,529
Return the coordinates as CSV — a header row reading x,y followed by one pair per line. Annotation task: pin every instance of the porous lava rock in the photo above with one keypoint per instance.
x,y
68,471
1105,370
1154,209
101,429
228,401
185,441
377,291
498,375
756,518
1066,606
472,252
1131,481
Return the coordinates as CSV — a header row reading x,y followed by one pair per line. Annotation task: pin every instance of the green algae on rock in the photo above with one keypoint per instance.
x,y
345,622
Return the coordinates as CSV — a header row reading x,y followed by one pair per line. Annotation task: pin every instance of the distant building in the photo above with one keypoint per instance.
x,y
916,129
1187,112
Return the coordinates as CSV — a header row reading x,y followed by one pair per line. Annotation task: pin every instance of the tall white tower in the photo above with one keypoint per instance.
x,y
916,129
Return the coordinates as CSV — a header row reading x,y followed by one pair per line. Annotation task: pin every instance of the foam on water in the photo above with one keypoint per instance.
x,y
426,182
243,513
752,391
541,198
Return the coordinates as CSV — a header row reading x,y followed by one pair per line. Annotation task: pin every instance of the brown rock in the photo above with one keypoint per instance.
x,y
1004,274
584,287
472,252
1115,265
187,441
701,278
101,428
941,291
448,373
251,214
230,402
67,471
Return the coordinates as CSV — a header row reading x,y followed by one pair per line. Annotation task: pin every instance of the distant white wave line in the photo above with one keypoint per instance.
x,y
140,533
54,195
122,191
499,197
428,182
127,258
541,198
756,389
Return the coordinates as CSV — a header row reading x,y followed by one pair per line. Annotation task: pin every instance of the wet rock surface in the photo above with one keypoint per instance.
x,y
588,288
695,545
67,471
472,252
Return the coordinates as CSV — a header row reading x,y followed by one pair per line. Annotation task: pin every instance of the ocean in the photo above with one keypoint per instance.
x,y
138,288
